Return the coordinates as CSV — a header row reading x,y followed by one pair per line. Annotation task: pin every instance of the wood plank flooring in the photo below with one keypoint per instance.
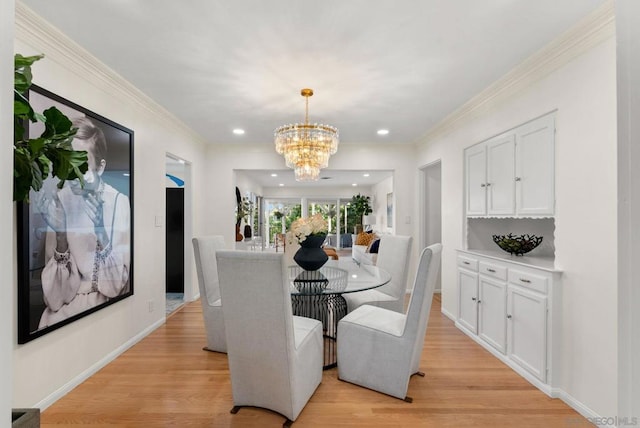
x,y
167,380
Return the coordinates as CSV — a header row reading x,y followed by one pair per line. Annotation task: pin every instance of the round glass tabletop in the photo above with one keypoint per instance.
x,y
336,277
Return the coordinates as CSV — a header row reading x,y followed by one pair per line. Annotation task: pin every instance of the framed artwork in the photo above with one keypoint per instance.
x,y
75,243
390,209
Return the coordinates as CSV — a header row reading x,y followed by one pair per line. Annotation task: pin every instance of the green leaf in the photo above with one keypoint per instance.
x,y
45,165
20,108
56,123
25,61
37,145
18,130
36,176
22,76
68,164
35,158
22,175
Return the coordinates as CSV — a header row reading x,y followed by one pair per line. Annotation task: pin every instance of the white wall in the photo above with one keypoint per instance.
x,y
628,37
343,192
222,160
7,278
584,93
50,365
245,185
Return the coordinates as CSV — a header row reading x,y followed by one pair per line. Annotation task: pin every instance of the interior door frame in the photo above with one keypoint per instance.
x,y
423,200
191,291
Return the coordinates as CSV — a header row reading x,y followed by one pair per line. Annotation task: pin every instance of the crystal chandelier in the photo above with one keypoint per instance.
x,y
306,147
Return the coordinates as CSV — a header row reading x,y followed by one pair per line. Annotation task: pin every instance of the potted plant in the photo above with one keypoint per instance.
x,y
34,159
360,207
50,153
243,208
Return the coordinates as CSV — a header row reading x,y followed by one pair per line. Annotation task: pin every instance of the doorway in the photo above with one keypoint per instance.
x,y
174,277
176,215
432,208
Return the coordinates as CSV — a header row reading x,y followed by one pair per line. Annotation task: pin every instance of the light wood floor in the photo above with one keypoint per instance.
x,y
167,380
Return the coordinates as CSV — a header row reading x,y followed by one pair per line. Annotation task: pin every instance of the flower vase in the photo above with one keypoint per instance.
x,y
310,255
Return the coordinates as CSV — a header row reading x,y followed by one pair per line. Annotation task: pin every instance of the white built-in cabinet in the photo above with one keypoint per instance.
x,y
512,174
507,306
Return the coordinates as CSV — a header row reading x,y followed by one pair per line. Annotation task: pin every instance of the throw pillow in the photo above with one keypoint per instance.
x,y
365,238
375,245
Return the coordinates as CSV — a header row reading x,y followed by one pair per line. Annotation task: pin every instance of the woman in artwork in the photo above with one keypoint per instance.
x,y
88,251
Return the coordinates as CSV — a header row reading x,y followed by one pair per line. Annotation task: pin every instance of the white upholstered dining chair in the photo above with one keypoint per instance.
x,y
393,256
275,358
380,349
204,249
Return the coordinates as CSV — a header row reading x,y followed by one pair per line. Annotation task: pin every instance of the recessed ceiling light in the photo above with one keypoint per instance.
x,y
281,184
383,131
354,184
366,174
238,131
274,175
181,161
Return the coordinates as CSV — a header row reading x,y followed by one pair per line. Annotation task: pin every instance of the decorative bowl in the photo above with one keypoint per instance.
x,y
517,245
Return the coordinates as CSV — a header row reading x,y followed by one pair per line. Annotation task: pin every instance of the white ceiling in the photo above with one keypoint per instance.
x,y
402,65
328,178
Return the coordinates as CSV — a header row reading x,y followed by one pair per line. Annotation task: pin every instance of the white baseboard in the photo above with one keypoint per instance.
x,y
448,314
592,417
522,372
64,389
585,411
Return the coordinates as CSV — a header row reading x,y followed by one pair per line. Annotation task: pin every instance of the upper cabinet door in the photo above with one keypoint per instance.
x,y
475,159
500,176
535,168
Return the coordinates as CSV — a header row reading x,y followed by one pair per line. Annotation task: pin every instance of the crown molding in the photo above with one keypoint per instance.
x,y
37,32
589,32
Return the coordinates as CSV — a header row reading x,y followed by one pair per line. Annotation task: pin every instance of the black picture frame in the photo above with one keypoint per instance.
x,y
109,278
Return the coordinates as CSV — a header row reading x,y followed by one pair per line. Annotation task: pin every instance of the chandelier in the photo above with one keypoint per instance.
x,y
306,147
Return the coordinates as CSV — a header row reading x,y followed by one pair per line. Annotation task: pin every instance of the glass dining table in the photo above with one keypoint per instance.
x,y
318,294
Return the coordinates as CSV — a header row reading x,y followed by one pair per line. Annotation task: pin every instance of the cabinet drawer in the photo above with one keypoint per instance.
x,y
467,263
528,280
495,271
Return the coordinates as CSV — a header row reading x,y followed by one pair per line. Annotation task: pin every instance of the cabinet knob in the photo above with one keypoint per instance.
x,y
525,280
491,270
488,184
508,316
483,185
479,301
518,178
466,263
473,298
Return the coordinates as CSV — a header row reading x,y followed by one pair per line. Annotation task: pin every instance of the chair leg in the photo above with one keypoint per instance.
x,y
419,373
408,399
286,424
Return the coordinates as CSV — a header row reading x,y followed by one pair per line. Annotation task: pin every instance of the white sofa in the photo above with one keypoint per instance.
x,y
360,255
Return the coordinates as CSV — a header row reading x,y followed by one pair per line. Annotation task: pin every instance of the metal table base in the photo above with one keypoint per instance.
x,y
328,309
